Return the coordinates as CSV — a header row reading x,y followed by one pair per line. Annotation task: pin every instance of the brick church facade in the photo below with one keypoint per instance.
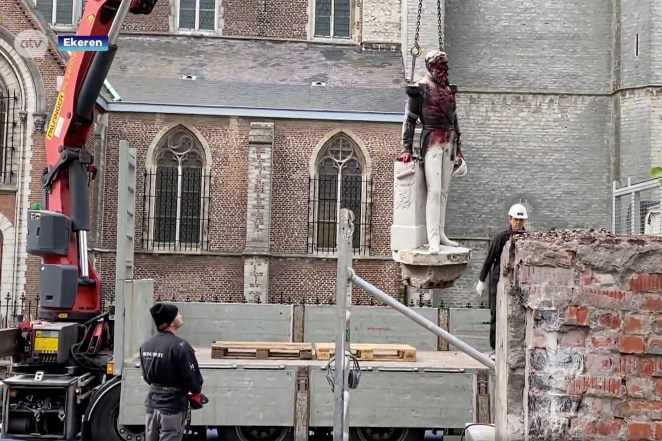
x,y
246,115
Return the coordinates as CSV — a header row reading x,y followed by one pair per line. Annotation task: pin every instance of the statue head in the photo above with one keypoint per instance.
x,y
436,62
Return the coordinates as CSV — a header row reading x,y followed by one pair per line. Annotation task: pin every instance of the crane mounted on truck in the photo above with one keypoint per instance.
x,y
66,350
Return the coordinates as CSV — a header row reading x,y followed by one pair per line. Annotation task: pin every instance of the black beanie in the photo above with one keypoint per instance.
x,y
163,313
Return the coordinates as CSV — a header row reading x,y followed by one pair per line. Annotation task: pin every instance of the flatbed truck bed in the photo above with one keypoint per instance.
x,y
424,360
292,397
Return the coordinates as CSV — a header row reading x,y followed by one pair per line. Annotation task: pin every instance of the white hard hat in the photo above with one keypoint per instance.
x,y
518,211
460,170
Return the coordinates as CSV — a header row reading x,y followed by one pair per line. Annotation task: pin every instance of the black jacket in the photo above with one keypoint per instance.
x,y
493,260
169,361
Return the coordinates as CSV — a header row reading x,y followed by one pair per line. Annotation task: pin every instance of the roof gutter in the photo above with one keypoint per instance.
x,y
249,112
112,91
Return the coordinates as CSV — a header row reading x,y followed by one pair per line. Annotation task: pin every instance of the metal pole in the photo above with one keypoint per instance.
x,y
344,302
427,324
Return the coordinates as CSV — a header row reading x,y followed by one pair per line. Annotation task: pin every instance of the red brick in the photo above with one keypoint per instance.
x,y
573,338
577,316
609,427
636,324
646,282
609,320
603,340
636,408
643,365
582,427
658,431
651,302
555,276
637,387
657,328
596,385
598,363
631,344
598,406
625,364
658,387
638,431
602,298
654,345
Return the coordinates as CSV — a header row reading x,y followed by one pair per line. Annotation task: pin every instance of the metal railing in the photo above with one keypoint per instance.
x,y
344,367
176,204
324,205
637,208
8,135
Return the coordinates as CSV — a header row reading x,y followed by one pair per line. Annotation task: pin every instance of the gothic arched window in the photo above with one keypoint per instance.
x,y
179,190
340,182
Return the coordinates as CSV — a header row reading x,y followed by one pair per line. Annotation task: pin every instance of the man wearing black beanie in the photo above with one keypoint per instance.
x,y
171,369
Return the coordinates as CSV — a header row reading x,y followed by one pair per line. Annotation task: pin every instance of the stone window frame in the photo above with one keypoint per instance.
x,y
158,145
365,162
312,13
196,30
77,12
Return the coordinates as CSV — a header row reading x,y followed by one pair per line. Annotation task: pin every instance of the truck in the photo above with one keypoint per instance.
x,y
74,367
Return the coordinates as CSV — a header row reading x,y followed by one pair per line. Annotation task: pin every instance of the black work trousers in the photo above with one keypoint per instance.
x,y
493,301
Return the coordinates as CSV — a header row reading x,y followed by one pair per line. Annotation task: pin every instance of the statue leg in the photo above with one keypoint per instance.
x,y
446,175
433,164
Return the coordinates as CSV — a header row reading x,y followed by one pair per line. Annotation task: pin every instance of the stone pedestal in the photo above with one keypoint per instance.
x,y
423,269
433,271
408,229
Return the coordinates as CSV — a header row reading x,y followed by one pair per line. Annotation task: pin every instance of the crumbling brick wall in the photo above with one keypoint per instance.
x,y
579,344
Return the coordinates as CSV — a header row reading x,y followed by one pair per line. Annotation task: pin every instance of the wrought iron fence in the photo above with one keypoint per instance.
x,y
8,134
176,209
324,206
637,208
14,310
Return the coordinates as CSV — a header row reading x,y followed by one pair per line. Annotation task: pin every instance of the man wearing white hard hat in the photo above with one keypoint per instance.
x,y
516,217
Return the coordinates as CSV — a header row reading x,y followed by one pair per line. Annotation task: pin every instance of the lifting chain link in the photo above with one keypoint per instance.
x,y
441,35
416,49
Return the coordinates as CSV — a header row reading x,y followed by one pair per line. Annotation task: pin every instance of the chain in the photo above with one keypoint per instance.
x,y
416,49
441,35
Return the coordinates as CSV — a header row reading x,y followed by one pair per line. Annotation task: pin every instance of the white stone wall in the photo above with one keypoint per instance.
x,y
16,76
381,21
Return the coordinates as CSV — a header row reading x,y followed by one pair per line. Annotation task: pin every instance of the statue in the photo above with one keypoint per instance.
x,y
432,100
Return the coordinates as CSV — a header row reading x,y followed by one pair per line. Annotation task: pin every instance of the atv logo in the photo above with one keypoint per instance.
x,y
31,44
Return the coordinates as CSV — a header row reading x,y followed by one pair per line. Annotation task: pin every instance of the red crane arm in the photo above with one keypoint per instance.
x,y
70,288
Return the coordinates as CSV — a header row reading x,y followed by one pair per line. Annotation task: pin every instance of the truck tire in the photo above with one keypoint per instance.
x,y
386,434
105,414
251,433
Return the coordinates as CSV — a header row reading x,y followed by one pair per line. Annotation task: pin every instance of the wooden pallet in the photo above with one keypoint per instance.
x,y
262,350
366,351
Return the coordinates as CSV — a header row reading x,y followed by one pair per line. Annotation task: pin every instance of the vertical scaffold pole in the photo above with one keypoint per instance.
x,y
344,303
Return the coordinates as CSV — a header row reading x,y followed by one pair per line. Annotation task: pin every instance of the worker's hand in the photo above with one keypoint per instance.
x,y
404,157
197,400
480,288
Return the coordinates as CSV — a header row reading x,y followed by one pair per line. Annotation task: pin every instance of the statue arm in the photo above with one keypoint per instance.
x,y
412,113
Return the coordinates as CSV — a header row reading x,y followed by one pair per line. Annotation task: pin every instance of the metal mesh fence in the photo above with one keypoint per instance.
x,y
637,208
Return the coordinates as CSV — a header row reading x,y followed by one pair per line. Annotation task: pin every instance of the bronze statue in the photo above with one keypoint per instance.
x,y
432,101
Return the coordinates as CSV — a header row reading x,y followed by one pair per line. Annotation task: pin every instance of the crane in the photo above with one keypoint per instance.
x,y
61,358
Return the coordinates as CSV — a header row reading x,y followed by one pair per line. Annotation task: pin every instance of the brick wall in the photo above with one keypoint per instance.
x,y
158,21
15,18
580,338
299,276
273,19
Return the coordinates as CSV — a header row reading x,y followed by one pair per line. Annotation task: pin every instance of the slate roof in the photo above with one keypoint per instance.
x,y
256,74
